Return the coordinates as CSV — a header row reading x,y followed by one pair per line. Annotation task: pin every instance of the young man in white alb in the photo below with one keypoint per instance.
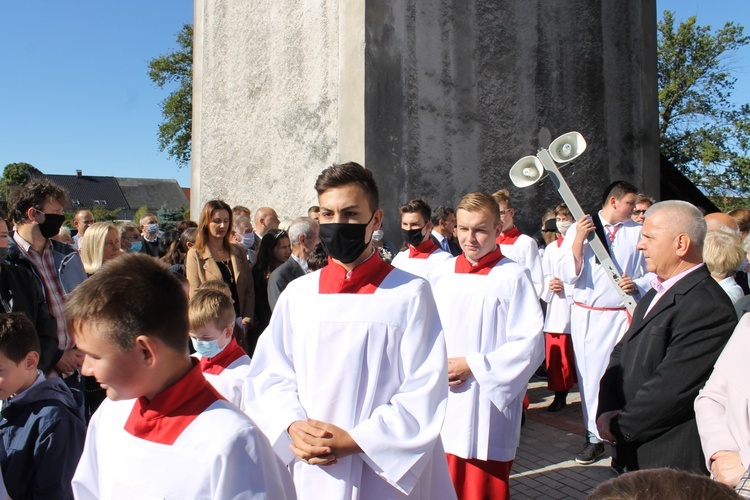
x,y
422,254
493,331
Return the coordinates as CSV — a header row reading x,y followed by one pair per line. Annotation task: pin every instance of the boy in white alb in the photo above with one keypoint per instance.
x,y
164,431
422,253
348,381
223,362
561,367
518,247
493,331
598,318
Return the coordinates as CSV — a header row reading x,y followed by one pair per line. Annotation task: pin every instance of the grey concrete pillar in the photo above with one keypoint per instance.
x,y
438,98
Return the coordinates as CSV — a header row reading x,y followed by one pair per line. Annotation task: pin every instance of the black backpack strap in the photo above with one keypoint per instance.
x,y
599,230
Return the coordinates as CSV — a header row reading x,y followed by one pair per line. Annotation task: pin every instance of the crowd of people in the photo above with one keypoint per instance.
x,y
243,356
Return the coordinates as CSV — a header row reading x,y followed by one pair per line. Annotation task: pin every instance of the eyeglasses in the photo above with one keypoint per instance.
x,y
503,212
639,212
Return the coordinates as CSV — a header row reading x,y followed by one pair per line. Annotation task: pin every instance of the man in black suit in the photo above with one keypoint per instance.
x,y
678,331
303,234
443,224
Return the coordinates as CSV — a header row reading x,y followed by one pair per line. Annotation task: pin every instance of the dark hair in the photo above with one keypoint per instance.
x,y
266,263
349,173
201,239
742,217
18,336
441,213
656,484
618,189
170,245
313,210
184,225
188,236
418,206
34,194
318,259
132,295
562,209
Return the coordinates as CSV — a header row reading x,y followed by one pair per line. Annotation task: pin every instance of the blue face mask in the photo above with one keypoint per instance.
x,y
152,228
207,348
135,246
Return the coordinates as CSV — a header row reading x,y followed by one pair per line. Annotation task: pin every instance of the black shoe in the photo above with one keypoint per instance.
x,y
557,404
590,453
617,468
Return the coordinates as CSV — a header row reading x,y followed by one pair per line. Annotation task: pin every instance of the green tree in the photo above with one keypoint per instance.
x,y
176,68
702,132
143,210
168,217
16,174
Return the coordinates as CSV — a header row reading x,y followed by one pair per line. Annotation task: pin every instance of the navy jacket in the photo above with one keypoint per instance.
x,y
43,434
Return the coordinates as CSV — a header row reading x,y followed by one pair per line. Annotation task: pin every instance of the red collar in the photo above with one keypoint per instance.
x,y
484,266
423,250
508,237
231,353
365,278
163,419
559,241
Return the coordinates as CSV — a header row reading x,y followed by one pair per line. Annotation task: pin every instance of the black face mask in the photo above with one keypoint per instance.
x,y
344,242
51,225
413,237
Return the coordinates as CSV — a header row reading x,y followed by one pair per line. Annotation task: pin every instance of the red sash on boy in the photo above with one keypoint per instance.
x,y
231,353
509,237
364,279
163,419
423,250
484,266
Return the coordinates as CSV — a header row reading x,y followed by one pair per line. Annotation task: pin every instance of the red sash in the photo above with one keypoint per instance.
x,y
509,237
484,266
423,250
231,353
365,278
163,419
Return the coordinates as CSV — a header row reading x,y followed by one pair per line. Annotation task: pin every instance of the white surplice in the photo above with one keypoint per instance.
x,y
526,253
231,382
495,321
374,365
557,318
221,454
420,267
595,332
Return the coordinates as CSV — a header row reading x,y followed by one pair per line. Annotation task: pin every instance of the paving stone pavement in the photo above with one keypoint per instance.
x,y
545,465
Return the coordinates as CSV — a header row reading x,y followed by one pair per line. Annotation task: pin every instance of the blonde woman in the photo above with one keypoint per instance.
x,y
723,255
100,245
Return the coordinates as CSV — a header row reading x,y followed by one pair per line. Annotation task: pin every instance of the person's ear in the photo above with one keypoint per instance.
x,y
228,331
31,214
31,361
498,229
147,349
428,226
682,245
377,219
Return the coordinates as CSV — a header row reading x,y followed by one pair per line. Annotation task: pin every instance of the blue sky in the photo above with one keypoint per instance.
x,y
75,93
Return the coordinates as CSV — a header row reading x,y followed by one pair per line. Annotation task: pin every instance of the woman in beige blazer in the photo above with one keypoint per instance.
x,y
214,257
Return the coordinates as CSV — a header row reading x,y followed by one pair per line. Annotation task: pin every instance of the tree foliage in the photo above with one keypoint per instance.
x,y
169,217
16,174
703,133
168,70
142,211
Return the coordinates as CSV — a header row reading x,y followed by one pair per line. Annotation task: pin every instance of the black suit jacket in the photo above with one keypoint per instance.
x,y
452,245
280,278
657,369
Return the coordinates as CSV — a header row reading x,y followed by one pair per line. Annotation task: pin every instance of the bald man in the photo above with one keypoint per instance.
x,y
82,221
719,221
265,220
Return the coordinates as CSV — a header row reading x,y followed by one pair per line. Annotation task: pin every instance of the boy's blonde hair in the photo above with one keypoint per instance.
x,y
210,307
477,201
503,196
215,285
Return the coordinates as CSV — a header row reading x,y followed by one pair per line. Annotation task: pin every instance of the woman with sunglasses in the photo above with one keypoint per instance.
x,y
214,257
275,249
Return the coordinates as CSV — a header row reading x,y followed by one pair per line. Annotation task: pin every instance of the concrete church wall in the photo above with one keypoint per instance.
x,y
438,98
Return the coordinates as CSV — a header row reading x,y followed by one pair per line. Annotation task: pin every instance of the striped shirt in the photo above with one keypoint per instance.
x,y
44,263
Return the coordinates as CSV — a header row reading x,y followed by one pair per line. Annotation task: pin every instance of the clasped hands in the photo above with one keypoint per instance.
x,y
320,443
